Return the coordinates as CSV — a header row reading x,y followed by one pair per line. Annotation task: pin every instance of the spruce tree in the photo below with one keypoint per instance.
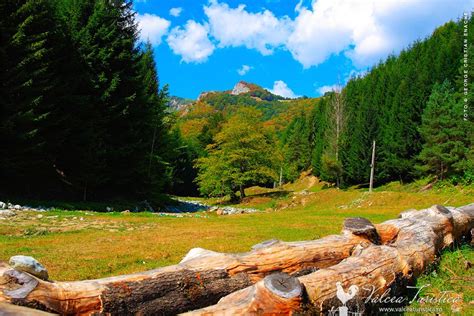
x,y
444,132
31,41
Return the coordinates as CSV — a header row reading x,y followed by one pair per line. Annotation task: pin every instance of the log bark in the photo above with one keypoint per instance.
x,y
15,310
409,245
201,278
277,294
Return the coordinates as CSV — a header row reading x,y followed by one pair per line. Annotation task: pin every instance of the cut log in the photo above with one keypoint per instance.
x,y
199,280
14,310
277,294
411,243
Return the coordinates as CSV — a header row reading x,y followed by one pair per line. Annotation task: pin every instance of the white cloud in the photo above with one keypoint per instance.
x,y
244,70
176,12
191,42
365,30
152,27
234,27
322,90
281,88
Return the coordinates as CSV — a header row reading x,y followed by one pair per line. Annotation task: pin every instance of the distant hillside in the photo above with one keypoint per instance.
x,y
178,103
243,88
204,115
248,94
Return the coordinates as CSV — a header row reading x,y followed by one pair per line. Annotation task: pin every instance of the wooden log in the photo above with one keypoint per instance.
x,y
15,310
410,244
277,294
199,280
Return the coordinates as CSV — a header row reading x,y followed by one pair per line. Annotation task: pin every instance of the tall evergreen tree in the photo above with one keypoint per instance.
x,y
296,147
31,41
445,133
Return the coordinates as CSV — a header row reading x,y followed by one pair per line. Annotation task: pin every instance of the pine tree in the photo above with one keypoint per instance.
x,y
31,39
151,129
444,132
296,147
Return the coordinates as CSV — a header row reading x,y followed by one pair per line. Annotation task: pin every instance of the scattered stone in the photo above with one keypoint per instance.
x,y
125,212
29,265
228,210
39,216
3,205
4,214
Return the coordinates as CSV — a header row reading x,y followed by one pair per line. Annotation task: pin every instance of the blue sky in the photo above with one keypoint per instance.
x,y
291,47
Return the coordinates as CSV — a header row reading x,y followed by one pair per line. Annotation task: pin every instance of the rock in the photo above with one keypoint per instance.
x,y
228,210
6,213
240,88
17,207
3,205
204,94
39,216
125,212
30,265
109,209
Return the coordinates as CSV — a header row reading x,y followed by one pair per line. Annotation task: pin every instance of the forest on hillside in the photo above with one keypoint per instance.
x,y
83,115
411,105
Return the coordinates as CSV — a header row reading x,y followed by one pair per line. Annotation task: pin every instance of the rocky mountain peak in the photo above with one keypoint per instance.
x,y
240,87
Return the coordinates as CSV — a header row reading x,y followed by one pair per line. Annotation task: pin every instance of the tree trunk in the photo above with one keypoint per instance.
x,y
242,192
84,192
409,245
199,280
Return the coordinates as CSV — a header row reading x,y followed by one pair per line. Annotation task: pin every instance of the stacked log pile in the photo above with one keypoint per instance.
x,y
275,277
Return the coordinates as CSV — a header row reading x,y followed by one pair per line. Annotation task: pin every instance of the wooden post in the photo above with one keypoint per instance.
x,y
281,177
372,168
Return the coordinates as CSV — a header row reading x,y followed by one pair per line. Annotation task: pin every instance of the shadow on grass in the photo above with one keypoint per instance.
x,y
272,195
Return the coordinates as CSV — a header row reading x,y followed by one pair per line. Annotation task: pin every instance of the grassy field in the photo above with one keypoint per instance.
x,y
76,245
453,276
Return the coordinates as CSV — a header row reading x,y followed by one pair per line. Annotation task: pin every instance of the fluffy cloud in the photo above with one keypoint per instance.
x,y
244,70
281,88
152,27
238,27
191,42
365,30
322,90
176,12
